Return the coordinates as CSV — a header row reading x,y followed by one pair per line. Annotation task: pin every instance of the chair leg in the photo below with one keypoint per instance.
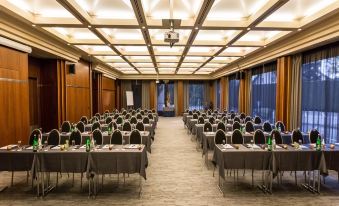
x,y
73,180
81,181
252,178
12,180
295,176
27,175
57,180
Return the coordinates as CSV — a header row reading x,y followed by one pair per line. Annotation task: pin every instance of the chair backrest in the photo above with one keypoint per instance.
x,y
96,125
195,116
242,116
94,119
145,120
108,120
127,116
236,125
36,132
203,115
248,119
209,112
237,137
80,126
190,113
135,137
259,137
113,126
133,112
186,111
124,113
208,127
224,119
201,120
267,127
198,112
219,137
126,127
140,126
297,135
97,115
257,120
133,120
249,127
142,112
84,119
277,136
150,116
53,137
232,115
139,116
97,136
313,136
116,137
281,125
66,126
116,116
119,120
76,136
236,119
221,126
211,120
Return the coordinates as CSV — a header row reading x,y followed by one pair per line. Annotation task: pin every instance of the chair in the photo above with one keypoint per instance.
x,y
124,113
219,137
211,120
108,120
190,113
133,120
313,136
139,116
259,137
84,120
116,116
135,137
127,116
142,112
209,113
81,126
76,136
133,113
198,112
236,125
36,132
249,127
150,116
232,115
116,137
224,119
257,120
280,124
186,111
221,126
242,116
208,127
267,127
119,120
236,119
53,137
127,127
97,137
201,120
194,110
145,120
297,136
237,137
66,126
96,125
94,119
195,116
97,115
113,126
203,115
277,137
140,126
248,119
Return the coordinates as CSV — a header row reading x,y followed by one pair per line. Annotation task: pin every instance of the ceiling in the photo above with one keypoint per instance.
x,y
127,35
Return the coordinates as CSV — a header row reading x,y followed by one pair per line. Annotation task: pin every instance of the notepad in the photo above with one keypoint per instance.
x,y
83,147
227,146
253,145
56,147
106,146
303,147
11,145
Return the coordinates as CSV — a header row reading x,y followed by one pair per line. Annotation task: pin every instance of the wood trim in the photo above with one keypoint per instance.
x,y
180,98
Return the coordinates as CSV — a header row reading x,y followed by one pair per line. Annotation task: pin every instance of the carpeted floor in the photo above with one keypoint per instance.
x,y
177,175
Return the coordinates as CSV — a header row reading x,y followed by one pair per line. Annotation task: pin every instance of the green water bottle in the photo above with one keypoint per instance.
x,y
269,143
318,143
88,145
35,144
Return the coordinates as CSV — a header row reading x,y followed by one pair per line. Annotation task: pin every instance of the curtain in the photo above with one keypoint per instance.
x,y
145,98
233,91
125,86
263,102
160,96
320,96
197,94
186,95
206,94
216,94
245,95
295,109
224,93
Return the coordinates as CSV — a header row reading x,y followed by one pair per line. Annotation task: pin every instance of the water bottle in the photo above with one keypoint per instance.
x,y
269,143
88,147
39,143
273,142
35,144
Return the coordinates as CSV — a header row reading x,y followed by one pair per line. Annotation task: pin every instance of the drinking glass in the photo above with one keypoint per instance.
x,y
45,145
252,144
19,145
73,143
123,141
223,142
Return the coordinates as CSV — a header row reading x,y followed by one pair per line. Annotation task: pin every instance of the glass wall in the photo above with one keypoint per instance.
x,y
196,95
165,91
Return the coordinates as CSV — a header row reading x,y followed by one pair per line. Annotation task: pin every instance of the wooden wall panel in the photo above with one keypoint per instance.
x,y
152,96
14,101
180,98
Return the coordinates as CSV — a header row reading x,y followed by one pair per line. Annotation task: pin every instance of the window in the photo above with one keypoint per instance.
x,y
165,90
233,92
264,92
161,96
196,95
320,92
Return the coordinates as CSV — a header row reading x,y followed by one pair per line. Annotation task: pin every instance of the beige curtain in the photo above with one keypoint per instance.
x,y
245,93
145,94
295,113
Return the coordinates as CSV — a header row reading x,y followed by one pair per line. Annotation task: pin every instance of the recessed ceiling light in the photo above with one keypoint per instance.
x,y
227,46
68,44
248,29
244,56
265,46
89,26
33,25
196,28
299,29
108,44
149,45
143,27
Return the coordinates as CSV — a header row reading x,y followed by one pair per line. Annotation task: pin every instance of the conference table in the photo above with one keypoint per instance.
x,y
102,160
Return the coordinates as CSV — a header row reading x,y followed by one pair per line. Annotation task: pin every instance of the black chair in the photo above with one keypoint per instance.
x,y
232,115
76,137
133,113
186,111
142,112
113,126
190,113
84,120
313,136
280,124
195,116
203,115
209,112
242,116
133,120
124,113
94,119
224,119
249,127
97,115
236,125
53,137
140,126
96,125
259,137
277,136
35,132
135,137
139,116
211,120
267,127
116,116
221,126
201,120
119,120
198,112
237,137
116,137
257,120
127,127
80,126
236,119
108,120
145,120
297,136
248,119
194,110
97,137
208,127
66,126
150,116
220,137
127,116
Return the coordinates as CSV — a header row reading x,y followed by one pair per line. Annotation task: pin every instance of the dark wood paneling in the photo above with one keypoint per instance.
x,y
14,102
108,94
180,98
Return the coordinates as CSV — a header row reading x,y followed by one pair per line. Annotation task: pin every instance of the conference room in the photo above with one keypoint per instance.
x,y
169,102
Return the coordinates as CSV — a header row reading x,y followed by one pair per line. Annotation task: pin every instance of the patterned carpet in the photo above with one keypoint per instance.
x,y
177,175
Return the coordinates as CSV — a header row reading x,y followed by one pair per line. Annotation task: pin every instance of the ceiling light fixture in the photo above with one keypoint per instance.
x,y
264,46
196,28
89,26
248,29
149,45
299,29
143,27
33,25
68,44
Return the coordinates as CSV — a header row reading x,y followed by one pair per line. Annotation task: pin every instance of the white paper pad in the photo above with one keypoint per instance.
x,y
83,147
11,145
227,146
56,147
254,146
106,146
303,147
